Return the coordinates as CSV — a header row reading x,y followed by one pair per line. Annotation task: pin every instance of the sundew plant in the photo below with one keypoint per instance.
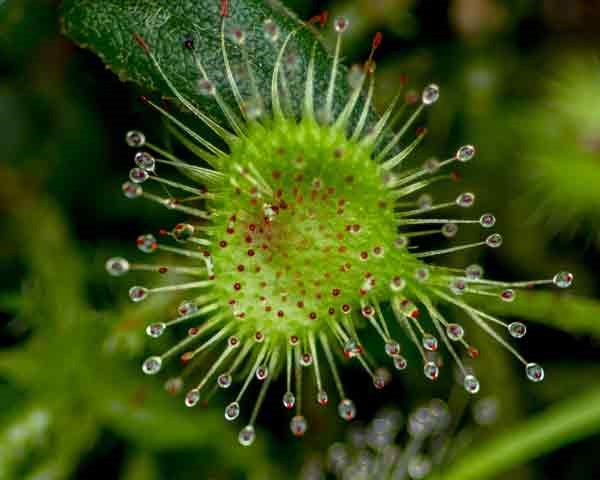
x,y
301,218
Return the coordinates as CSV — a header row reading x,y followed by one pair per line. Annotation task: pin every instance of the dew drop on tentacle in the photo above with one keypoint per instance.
x,y
322,397
247,436
400,363
430,343
138,175
187,307
137,293
563,279
507,295
289,400
517,329
465,153
347,409
534,372
487,220
298,425
145,161
474,272
135,139
431,94
232,411
465,200
192,398
224,380
132,190
471,384
155,330
494,240
152,365
431,370
117,266
147,243
455,332
449,230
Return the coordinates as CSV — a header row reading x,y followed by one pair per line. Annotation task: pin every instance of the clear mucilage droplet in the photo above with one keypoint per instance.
x,y
232,411
517,329
147,243
465,153
471,384
135,139
341,24
271,30
465,200
494,240
431,370
431,94
155,330
152,365
137,293
455,332
117,266
474,272
400,363
247,436
534,372
298,425
192,398
132,190
289,400
347,409
138,175
145,161
563,279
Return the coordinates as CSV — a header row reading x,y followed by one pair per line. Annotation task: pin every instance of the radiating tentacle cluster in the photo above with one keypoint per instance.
x,y
303,225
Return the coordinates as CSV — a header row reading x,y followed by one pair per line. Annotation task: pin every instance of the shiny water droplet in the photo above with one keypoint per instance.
x,y
465,153
247,436
487,220
137,293
152,365
431,370
507,295
429,342
341,24
155,330
431,94
232,411
458,286
187,307
183,232
494,240
400,362
224,380
517,329
347,409
117,266
322,397
449,230
392,348
147,243
474,272
298,425
262,372
289,400
306,359
455,332
352,348
135,139
145,161
138,175
471,384
465,200
535,372
132,190
192,397
563,279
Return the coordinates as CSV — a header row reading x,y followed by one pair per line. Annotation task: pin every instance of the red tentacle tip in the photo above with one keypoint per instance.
x,y
403,79
377,39
141,42
224,8
321,18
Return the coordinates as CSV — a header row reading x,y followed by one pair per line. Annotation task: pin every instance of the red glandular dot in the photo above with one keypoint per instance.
x,y
163,270
250,253
335,292
473,352
346,308
331,311
300,304
237,286
240,268
222,244
280,313
312,315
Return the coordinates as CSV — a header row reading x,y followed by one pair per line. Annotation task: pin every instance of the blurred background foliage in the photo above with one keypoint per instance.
x,y
519,78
